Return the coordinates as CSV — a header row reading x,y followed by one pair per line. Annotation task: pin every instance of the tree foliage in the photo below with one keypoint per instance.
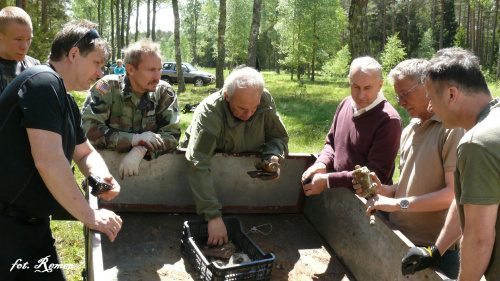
x,y
338,66
394,52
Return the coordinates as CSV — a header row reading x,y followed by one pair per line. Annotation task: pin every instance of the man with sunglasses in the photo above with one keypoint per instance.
x,y
16,33
40,135
138,113
419,202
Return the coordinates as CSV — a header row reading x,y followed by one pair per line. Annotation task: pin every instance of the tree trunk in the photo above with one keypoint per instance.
x,y
315,40
357,13
195,33
459,13
137,21
122,35
277,56
254,34
384,15
153,26
473,32
468,25
148,30
45,26
441,29
393,17
19,4
221,52
492,54
129,8
112,31
118,41
99,24
178,59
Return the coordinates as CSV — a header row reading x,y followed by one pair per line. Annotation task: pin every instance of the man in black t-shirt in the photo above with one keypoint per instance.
x,y
40,134
16,33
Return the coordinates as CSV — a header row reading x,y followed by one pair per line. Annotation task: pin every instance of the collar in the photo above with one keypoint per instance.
x,y
357,112
128,93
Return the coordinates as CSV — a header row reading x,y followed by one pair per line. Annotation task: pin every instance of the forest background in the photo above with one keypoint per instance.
x,y
302,37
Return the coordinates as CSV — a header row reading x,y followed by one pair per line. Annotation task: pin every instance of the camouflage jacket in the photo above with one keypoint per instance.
x,y
215,129
112,114
10,69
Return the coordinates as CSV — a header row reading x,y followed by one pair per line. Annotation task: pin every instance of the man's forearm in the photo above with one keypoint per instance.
x,y
451,230
474,258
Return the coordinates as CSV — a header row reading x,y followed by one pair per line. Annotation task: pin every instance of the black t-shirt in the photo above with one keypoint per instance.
x,y
36,99
10,69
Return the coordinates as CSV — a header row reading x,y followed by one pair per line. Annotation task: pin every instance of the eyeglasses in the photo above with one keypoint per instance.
x,y
92,33
400,97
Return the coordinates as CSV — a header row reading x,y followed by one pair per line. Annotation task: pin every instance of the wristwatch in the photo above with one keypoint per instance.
x,y
404,204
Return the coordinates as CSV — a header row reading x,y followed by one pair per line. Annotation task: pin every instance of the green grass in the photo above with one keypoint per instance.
x,y
306,109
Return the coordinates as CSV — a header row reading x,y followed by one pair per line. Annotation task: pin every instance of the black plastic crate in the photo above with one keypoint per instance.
x,y
195,233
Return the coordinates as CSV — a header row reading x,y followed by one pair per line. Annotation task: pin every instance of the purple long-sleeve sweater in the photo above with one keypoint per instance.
x,y
371,139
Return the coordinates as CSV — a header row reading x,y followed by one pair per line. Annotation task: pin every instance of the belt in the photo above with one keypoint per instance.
x,y
9,211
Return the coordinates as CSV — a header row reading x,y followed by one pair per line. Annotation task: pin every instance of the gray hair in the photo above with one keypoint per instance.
x,y
246,77
132,54
367,65
412,69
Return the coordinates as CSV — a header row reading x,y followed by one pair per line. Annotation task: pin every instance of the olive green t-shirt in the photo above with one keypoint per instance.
x,y
477,177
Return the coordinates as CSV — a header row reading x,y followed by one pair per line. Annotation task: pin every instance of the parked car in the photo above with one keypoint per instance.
x,y
191,74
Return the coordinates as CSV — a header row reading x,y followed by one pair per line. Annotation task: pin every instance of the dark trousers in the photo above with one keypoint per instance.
x,y
28,251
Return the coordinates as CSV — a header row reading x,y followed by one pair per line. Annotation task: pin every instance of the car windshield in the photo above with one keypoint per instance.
x,y
189,67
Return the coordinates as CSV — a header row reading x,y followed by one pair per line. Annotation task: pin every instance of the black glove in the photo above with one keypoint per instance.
x,y
418,258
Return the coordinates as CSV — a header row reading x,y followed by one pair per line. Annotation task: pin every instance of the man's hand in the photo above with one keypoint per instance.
x,y
217,233
382,203
130,163
112,193
317,185
272,159
106,222
149,139
418,258
318,168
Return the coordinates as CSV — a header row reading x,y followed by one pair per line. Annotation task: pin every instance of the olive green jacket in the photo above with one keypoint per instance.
x,y
215,129
112,114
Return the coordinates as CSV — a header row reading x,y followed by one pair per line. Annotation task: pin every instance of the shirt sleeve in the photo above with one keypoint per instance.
x,y
449,148
275,134
95,114
383,152
200,149
479,175
41,105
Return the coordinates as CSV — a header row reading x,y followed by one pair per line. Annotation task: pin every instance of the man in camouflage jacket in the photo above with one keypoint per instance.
x,y
16,33
242,117
138,113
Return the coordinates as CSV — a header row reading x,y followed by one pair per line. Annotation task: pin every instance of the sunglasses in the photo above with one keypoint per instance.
x,y
92,33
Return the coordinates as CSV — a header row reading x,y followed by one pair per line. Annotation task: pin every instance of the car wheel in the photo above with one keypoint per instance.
x,y
198,82
168,79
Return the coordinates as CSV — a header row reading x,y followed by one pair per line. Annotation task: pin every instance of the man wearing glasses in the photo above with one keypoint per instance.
x,y
419,202
138,113
16,34
40,134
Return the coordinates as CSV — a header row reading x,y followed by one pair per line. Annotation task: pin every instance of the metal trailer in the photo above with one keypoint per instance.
x,y
154,205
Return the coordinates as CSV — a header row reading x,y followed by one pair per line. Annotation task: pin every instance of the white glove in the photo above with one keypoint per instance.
x,y
149,139
130,163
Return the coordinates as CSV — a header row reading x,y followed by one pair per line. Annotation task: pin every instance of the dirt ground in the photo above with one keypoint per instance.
x,y
148,248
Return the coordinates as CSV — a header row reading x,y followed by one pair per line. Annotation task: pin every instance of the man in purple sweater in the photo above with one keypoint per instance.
x,y
366,131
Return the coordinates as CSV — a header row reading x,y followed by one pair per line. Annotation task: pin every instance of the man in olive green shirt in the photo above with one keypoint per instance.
x,y
242,117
